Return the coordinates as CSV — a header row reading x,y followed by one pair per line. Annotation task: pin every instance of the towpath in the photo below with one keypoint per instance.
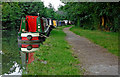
x,y
93,58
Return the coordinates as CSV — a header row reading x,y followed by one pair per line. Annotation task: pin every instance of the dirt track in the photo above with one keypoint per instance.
x,y
93,58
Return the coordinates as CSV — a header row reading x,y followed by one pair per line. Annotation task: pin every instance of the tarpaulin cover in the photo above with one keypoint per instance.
x,y
32,23
42,24
54,23
48,21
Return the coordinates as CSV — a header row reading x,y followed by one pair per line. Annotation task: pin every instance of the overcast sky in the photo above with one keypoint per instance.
x,y
55,3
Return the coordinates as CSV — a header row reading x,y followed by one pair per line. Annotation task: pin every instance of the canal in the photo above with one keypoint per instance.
x,y
15,56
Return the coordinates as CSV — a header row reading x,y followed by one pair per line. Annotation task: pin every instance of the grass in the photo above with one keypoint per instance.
x,y
108,40
57,54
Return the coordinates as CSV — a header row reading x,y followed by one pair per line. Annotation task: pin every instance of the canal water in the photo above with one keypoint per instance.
x,y
16,56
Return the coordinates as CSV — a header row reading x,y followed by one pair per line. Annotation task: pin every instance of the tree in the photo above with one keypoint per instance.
x,y
14,11
102,16
10,13
50,13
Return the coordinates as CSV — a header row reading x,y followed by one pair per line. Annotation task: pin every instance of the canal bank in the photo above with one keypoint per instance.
x,y
55,57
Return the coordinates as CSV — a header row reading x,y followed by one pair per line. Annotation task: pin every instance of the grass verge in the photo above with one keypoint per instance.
x,y
54,57
108,40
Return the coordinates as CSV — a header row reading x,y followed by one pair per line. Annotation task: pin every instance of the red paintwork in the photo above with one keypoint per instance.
x,y
33,38
30,57
32,23
33,46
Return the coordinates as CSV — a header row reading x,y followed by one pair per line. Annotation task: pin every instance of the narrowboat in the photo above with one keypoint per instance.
x,y
49,21
47,25
32,29
61,23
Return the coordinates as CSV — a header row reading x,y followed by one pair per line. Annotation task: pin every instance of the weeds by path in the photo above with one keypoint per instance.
x,y
108,40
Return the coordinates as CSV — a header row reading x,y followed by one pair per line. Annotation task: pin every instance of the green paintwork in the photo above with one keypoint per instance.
x,y
23,26
19,33
23,23
39,24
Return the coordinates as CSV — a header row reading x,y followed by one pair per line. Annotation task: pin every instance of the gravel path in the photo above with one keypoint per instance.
x,y
94,59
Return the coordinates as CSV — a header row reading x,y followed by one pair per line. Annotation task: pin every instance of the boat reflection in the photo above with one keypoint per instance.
x,y
27,51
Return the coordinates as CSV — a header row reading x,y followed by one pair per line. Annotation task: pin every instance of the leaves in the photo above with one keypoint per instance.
x,y
13,12
77,12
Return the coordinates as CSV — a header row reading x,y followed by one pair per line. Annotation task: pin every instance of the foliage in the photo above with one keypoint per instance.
x,y
32,8
50,11
108,40
12,12
10,15
88,15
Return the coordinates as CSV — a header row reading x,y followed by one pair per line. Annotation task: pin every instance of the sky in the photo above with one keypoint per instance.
x,y
55,3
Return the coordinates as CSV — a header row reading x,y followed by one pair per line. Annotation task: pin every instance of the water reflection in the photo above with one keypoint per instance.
x,y
28,47
26,58
27,51
16,57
